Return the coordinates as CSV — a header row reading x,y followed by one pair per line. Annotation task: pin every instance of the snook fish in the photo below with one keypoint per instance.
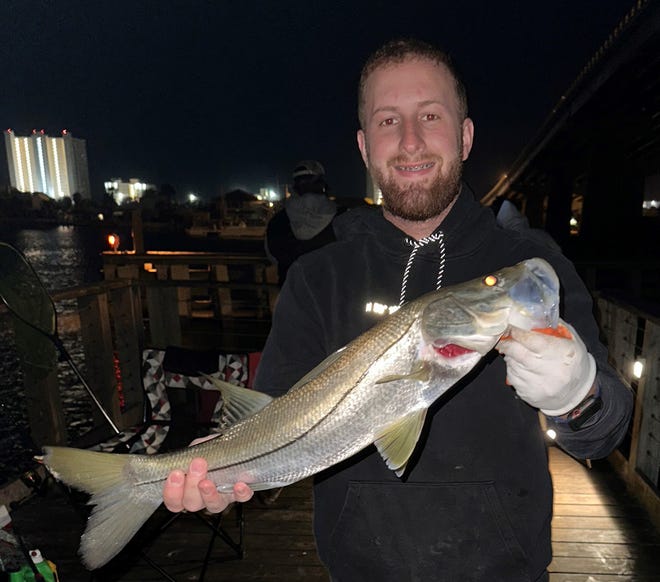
x,y
375,390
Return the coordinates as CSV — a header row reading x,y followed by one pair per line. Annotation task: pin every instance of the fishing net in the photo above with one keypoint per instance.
x,y
31,307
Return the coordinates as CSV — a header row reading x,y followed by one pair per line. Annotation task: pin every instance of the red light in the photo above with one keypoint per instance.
x,y
64,132
113,241
34,131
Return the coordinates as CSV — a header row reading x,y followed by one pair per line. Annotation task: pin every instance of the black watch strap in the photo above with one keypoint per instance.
x,y
584,411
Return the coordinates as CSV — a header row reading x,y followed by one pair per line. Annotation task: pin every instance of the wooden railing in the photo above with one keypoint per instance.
x,y
199,300
633,340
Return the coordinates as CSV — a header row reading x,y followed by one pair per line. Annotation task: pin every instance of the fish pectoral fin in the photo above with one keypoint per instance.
x,y
238,402
420,372
398,441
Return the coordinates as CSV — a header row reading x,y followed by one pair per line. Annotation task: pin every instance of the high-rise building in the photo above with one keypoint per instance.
x,y
56,166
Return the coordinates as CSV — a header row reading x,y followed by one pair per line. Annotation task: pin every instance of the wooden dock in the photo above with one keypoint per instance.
x,y
600,534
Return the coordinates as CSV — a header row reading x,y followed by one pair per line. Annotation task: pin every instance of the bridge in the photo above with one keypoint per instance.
x,y
591,174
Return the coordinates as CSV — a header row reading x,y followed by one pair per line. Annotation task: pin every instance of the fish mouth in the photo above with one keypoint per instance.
x,y
449,349
455,347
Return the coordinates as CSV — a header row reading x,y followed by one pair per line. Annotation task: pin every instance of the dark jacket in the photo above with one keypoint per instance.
x,y
476,500
302,226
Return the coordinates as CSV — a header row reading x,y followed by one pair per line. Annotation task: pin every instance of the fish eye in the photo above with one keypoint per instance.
x,y
490,280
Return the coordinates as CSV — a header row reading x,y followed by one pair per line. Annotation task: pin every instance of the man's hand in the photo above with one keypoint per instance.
x,y
192,491
552,373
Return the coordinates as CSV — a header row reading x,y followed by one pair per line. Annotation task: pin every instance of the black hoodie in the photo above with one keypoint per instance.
x,y
476,500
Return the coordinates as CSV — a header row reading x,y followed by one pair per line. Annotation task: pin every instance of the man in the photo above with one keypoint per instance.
x,y
476,503
305,222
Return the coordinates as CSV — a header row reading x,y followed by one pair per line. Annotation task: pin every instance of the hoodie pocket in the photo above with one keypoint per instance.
x,y
425,532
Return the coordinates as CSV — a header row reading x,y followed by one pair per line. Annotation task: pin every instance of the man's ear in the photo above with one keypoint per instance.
x,y
468,137
362,144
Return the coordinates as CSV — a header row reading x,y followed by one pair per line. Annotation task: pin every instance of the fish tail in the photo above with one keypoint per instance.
x,y
118,511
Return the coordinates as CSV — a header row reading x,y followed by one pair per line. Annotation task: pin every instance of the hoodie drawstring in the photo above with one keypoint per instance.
x,y
416,245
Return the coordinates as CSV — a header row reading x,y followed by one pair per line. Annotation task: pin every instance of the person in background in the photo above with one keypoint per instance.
x,y
305,222
508,216
475,503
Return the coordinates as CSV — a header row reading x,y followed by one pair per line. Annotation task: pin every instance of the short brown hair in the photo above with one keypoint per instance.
x,y
400,50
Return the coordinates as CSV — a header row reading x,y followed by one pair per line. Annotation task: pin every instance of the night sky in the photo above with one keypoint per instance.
x,y
211,96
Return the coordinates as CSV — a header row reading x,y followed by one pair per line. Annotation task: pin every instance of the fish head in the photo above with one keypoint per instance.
x,y
472,316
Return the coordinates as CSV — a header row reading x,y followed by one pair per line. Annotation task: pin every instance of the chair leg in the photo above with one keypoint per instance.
x,y
215,524
155,566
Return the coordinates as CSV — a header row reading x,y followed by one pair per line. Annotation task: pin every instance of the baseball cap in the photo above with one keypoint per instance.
x,y
308,168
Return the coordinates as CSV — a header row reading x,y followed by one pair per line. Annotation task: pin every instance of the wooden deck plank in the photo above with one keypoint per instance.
x,y
600,510
599,534
590,549
600,566
593,535
562,577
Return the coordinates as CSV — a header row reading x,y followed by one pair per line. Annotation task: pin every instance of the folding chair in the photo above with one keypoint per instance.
x,y
182,405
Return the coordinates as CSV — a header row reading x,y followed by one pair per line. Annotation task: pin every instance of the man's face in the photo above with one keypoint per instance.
x,y
414,139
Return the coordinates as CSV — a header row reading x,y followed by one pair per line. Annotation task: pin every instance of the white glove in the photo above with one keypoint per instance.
x,y
552,373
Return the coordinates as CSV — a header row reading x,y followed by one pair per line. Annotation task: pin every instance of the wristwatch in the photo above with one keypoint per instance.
x,y
584,411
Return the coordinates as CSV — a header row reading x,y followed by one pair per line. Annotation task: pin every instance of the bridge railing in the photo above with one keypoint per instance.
x,y
633,340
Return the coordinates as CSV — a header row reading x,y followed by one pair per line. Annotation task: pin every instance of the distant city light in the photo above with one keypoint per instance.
x,y
268,194
100,216
192,198
130,191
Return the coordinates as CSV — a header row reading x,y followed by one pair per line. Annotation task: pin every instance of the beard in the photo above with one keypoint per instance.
x,y
417,201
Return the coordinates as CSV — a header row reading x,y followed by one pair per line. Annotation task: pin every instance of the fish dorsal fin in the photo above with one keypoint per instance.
x,y
420,372
238,402
318,369
398,441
